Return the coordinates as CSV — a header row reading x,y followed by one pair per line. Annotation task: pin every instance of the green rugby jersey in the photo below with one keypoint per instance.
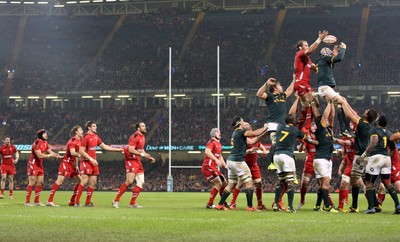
x,y
324,149
362,136
238,142
383,138
276,104
286,136
325,67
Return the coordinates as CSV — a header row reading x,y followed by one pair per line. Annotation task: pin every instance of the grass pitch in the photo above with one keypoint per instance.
x,y
183,217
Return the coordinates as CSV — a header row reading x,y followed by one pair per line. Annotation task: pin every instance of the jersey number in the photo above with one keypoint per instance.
x,y
285,134
384,142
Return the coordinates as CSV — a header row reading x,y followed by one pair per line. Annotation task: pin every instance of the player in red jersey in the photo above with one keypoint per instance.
x,y
10,156
348,153
308,170
251,161
212,162
302,69
40,151
89,166
69,166
133,165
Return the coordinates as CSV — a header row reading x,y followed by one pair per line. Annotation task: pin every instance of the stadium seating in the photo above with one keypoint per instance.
x,y
137,55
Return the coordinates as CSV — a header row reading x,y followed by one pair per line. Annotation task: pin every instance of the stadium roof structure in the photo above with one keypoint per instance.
x,y
119,7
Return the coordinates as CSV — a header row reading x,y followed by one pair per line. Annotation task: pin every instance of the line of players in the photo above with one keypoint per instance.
x,y
79,147
366,156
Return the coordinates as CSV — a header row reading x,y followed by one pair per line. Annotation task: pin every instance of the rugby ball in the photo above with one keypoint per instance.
x,y
330,40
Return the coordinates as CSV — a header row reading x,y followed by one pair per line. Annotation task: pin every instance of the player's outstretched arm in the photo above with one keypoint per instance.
x,y
53,154
342,142
350,113
325,119
39,154
293,108
332,114
253,140
132,150
309,140
109,148
290,88
261,91
340,53
314,46
314,109
258,132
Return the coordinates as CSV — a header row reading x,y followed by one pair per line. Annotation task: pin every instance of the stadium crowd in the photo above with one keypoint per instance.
x,y
137,55
189,125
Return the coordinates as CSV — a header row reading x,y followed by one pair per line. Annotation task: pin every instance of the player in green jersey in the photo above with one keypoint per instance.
x,y
237,167
379,164
284,158
323,155
362,139
326,82
275,99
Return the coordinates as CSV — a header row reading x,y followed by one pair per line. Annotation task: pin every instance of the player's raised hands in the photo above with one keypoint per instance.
x,y
335,50
271,81
323,34
343,45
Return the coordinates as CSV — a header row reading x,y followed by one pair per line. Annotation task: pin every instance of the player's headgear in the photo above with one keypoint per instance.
x,y
381,121
213,132
89,124
236,121
40,133
326,51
